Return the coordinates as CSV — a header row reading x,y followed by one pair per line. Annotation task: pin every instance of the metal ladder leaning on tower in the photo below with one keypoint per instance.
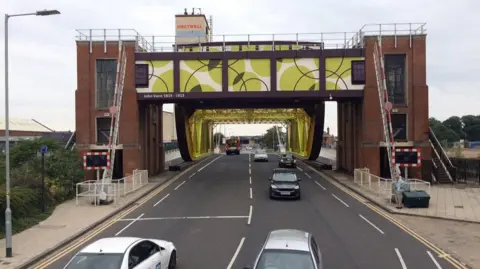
x,y
115,110
385,106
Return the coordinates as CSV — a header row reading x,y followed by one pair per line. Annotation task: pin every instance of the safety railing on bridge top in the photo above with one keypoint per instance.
x,y
383,187
226,42
116,189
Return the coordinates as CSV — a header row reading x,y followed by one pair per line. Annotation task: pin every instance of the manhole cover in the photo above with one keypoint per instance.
x,y
458,206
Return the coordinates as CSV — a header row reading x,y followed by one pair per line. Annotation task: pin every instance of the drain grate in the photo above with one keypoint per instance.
x,y
458,206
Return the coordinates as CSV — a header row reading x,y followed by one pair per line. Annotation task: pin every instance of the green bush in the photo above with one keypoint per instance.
x,y
63,169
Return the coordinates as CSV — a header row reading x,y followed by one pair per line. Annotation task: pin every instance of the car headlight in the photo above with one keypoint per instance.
x,y
273,186
294,161
297,187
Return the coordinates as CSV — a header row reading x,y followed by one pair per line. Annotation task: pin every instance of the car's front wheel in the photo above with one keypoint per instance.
x,y
172,264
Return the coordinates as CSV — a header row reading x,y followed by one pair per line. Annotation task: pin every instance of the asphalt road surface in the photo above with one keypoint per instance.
x,y
219,213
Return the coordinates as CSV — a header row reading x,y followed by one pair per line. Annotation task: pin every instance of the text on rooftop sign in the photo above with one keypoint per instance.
x,y
189,26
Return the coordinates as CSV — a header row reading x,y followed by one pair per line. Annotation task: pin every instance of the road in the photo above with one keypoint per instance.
x,y
217,205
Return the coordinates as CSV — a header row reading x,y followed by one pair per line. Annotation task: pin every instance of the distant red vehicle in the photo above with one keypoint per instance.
x,y
232,146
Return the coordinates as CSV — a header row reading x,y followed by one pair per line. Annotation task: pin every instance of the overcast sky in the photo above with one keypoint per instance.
x,y
43,55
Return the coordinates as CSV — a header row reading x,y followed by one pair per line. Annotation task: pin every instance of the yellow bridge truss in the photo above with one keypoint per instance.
x,y
251,115
200,125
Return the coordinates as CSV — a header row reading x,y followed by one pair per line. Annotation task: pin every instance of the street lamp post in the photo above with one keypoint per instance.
x,y
8,211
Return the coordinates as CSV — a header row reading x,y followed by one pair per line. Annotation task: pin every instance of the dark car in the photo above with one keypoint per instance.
x,y
287,160
284,183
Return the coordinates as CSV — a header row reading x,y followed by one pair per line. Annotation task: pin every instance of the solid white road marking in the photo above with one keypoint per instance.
x,y
400,258
161,200
192,175
373,225
209,163
307,175
250,215
128,225
321,186
191,217
340,200
251,194
434,260
250,180
299,168
232,261
179,185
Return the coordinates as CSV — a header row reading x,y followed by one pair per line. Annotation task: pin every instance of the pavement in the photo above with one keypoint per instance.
x,y
69,219
458,202
219,213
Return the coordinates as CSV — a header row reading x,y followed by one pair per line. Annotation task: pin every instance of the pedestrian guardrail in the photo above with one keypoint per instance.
x,y
131,183
383,187
91,190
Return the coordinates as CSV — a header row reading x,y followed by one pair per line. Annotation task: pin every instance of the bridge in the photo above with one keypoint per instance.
x,y
251,78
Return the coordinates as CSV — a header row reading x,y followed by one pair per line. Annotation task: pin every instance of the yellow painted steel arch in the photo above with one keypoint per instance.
x,y
300,127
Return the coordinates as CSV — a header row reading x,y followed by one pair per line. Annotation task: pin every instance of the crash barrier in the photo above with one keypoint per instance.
x,y
97,192
383,188
172,155
327,161
320,165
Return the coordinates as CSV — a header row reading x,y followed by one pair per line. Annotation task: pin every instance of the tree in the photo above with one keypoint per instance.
x,y
444,134
455,128
63,169
270,138
471,127
433,122
455,124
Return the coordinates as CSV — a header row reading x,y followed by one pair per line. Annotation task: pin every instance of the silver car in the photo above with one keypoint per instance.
x,y
289,248
260,156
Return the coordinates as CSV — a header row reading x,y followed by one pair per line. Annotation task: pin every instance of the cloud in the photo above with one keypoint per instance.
x,y
43,53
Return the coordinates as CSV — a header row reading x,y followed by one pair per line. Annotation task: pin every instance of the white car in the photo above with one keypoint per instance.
x,y
260,156
125,253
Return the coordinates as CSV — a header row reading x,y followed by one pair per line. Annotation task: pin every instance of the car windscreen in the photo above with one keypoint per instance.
x,y
261,152
285,259
96,261
287,156
284,177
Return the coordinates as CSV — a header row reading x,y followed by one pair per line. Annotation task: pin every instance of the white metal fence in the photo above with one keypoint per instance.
x,y
92,190
382,187
302,41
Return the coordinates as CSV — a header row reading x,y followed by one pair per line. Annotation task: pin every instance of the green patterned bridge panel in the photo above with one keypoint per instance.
x,y
249,75
338,73
298,74
160,75
201,75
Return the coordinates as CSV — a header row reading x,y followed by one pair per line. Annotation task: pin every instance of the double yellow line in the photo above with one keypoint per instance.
x,y
45,263
102,228
457,264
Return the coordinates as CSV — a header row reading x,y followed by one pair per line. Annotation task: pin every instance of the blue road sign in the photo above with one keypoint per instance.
x,y
43,149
